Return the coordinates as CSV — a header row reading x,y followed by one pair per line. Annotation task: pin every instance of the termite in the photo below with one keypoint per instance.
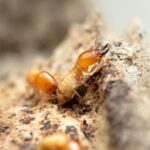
x,y
45,82
59,142
41,81
85,60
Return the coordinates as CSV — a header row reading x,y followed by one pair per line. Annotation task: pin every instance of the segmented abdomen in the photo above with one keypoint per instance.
x,y
69,83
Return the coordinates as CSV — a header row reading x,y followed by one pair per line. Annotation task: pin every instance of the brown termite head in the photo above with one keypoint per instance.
x,y
90,57
41,81
59,142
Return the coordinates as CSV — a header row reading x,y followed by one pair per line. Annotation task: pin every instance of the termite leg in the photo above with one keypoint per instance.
x,y
76,93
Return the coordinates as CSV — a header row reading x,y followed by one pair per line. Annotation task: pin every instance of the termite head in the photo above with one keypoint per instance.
x,y
41,81
59,142
45,82
54,142
92,56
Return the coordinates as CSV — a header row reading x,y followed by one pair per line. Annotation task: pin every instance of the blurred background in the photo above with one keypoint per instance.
x,y
29,28
120,12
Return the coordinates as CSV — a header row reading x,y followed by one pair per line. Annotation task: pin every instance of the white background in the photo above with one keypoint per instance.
x,y
120,12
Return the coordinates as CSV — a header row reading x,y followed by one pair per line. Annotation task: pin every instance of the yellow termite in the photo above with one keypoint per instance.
x,y
85,60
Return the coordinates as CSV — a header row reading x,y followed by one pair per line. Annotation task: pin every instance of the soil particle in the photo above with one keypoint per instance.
x,y
72,131
88,131
27,146
4,128
28,136
47,125
26,119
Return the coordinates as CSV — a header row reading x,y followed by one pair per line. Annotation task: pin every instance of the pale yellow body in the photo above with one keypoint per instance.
x,y
69,83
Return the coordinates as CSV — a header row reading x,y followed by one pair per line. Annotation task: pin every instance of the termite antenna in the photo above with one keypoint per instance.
x,y
105,49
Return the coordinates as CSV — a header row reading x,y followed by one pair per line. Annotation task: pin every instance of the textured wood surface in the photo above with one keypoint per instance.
x,y
112,113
